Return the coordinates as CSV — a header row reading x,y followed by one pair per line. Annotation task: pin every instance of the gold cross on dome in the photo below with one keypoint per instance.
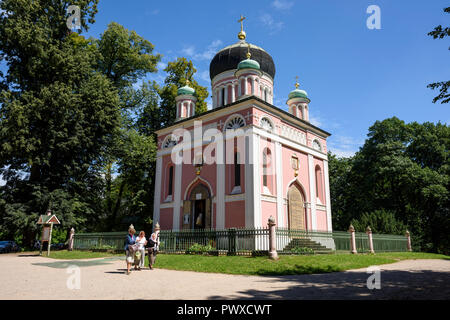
x,y
241,21
296,82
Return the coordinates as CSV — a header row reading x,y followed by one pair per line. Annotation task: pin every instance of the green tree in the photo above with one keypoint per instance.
x,y
443,96
177,73
380,221
126,58
58,117
401,170
339,169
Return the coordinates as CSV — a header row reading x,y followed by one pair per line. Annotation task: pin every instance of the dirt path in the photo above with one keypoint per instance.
x,y
34,277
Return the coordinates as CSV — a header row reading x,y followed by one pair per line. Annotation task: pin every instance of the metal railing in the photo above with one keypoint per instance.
x,y
247,241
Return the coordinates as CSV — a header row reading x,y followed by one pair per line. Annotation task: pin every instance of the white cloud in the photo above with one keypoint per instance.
x,y
209,104
161,65
271,24
344,146
342,153
189,51
282,5
207,54
152,12
204,76
316,121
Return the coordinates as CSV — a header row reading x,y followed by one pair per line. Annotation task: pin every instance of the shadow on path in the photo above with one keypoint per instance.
x,y
395,285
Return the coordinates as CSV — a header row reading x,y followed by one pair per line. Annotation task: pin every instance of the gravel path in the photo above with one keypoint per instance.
x,y
25,276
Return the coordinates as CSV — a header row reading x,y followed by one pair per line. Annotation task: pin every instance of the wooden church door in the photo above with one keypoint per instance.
x,y
296,208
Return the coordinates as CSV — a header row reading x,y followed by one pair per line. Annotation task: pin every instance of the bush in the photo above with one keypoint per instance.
x,y
103,247
380,221
198,248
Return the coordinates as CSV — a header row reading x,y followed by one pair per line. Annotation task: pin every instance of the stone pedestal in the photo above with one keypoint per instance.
x,y
351,229
72,234
369,234
408,238
272,239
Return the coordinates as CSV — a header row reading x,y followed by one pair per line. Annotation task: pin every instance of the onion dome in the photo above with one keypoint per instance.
x,y
248,63
229,57
298,93
185,90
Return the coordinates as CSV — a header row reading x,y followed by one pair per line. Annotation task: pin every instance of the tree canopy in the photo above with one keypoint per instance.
x,y
443,86
400,177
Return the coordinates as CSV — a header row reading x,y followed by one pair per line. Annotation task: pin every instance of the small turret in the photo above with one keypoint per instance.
x,y
298,103
185,102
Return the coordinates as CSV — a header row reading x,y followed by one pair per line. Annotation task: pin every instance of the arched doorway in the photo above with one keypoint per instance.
x,y
296,208
197,209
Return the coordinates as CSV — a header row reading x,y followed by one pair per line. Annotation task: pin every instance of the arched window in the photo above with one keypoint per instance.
x,y
222,102
170,182
300,112
319,185
316,145
266,174
265,95
235,122
266,124
170,141
237,170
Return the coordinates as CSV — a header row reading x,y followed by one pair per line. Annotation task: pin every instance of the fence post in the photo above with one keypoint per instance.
x,y
408,238
351,229
369,234
232,241
72,234
272,239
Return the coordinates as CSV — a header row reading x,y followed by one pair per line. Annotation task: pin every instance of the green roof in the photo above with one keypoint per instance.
x,y
248,64
297,93
185,90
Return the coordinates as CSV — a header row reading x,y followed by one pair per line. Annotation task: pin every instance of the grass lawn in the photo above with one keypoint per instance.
x,y
76,254
286,265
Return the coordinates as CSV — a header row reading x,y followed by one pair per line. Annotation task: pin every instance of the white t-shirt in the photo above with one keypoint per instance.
x,y
141,242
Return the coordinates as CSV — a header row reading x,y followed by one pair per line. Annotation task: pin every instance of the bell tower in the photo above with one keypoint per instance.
x,y
298,102
185,102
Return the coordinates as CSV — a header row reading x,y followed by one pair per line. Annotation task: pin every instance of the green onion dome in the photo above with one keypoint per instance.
x,y
185,90
298,93
248,64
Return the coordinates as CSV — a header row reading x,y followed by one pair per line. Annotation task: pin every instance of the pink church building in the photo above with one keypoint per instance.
x,y
245,159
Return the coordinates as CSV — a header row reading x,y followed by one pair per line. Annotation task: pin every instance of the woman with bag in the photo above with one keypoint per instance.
x,y
129,249
152,250
141,242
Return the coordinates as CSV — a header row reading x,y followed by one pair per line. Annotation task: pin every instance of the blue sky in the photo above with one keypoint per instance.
x,y
353,75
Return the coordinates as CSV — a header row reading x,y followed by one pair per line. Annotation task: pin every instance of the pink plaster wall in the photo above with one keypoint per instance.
x,y
321,220
235,214
166,218
321,182
288,172
268,209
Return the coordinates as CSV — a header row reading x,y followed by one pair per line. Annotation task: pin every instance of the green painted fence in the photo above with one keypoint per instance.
x,y
247,241
99,240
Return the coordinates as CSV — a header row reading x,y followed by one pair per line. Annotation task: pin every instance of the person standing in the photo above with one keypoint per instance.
x,y
141,241
130,240
152,250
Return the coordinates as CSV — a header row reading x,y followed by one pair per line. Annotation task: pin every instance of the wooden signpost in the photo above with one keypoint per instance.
x,y
47,221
